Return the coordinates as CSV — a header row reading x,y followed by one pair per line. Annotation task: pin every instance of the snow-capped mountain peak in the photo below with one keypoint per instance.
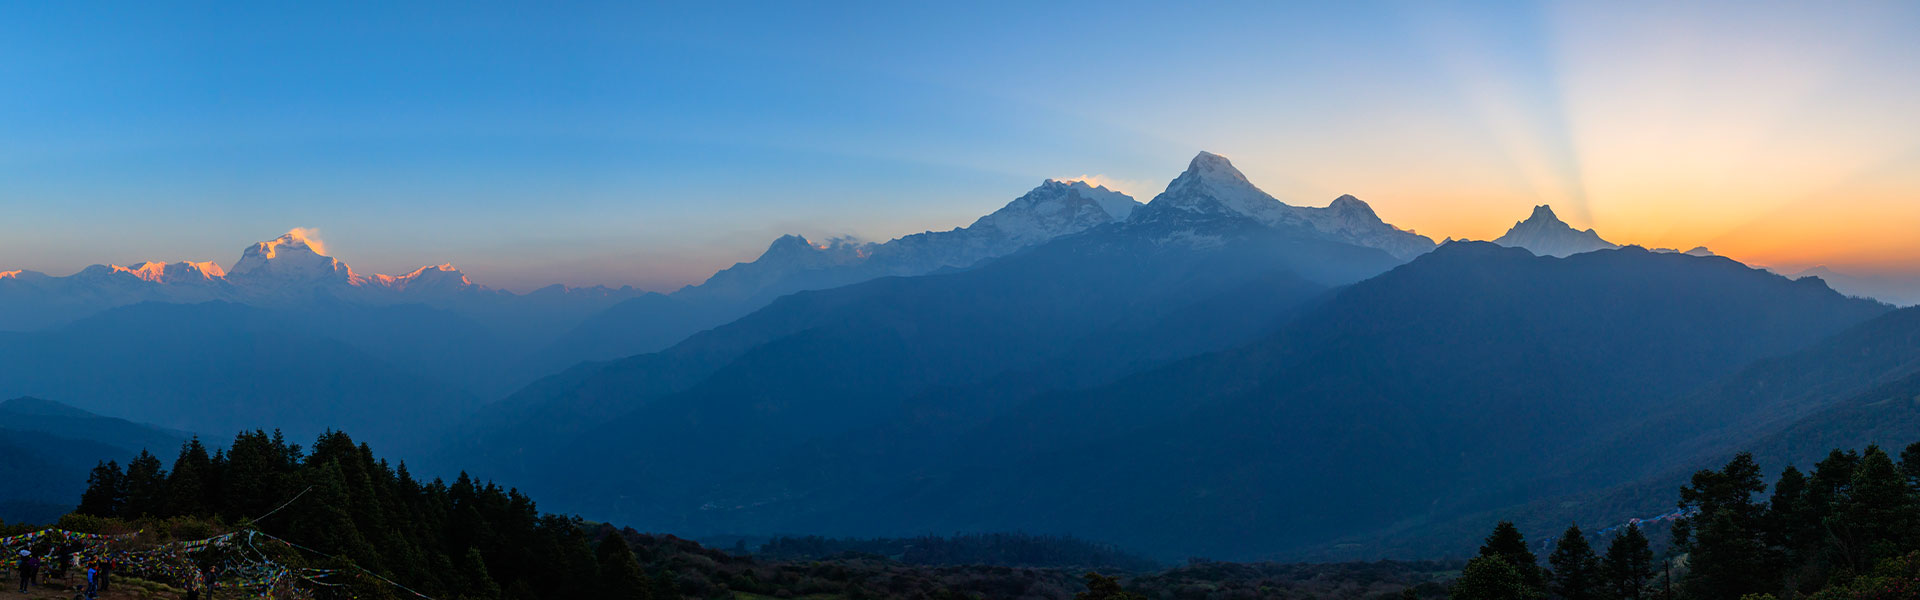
x,y
443,276
292,256
1212,185
1544,234
296,261
179,272
1117,205
792,263
1214,167
1348,206
1054,209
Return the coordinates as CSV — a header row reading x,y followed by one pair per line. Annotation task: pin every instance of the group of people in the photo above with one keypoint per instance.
x,y
35,570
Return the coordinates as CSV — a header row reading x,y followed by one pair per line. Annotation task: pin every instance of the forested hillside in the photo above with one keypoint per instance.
x,y
336,521
1848,527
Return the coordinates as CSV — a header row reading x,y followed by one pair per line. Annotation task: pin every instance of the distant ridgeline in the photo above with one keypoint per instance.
x,y
46,448
335,521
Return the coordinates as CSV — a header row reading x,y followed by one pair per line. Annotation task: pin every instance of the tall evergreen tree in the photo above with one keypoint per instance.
x,y
187,484
1727,556
1628,566
1507,543
106,491
146,487
1793,523
257,473
1576,570
1830,479
1874,520
477,580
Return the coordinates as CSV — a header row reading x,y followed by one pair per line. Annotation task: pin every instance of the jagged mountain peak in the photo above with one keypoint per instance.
x,y
1117,205
178,272
1350,206
296,254
297,240
794,251
1544,234
1211,185
1055,208
1215,172
1208,164
442,276
1544,213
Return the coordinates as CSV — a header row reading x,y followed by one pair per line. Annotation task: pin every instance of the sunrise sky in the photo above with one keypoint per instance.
x,y
620,144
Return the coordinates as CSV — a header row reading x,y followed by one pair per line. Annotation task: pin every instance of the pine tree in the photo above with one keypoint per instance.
x,y
1726,553
186,486
256,476
1793,524
106,491
620,576
1576,570
1507,543
1491,577
1628,567
146,487
1830,480
473,573
1874,520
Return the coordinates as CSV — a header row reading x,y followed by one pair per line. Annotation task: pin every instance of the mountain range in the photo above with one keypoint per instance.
x,y
1215,372
1210,376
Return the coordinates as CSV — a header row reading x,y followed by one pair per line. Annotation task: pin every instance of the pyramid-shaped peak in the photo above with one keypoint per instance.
x,y
1543,213
1205,157
1544,234
1213,166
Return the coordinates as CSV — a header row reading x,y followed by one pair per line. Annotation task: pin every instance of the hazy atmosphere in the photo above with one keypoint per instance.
x,y
960,301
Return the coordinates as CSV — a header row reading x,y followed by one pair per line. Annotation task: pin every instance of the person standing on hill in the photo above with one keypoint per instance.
x,y
26,569
32,567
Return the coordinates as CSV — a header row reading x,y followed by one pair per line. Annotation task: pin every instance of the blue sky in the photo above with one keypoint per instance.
x,y
650,145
